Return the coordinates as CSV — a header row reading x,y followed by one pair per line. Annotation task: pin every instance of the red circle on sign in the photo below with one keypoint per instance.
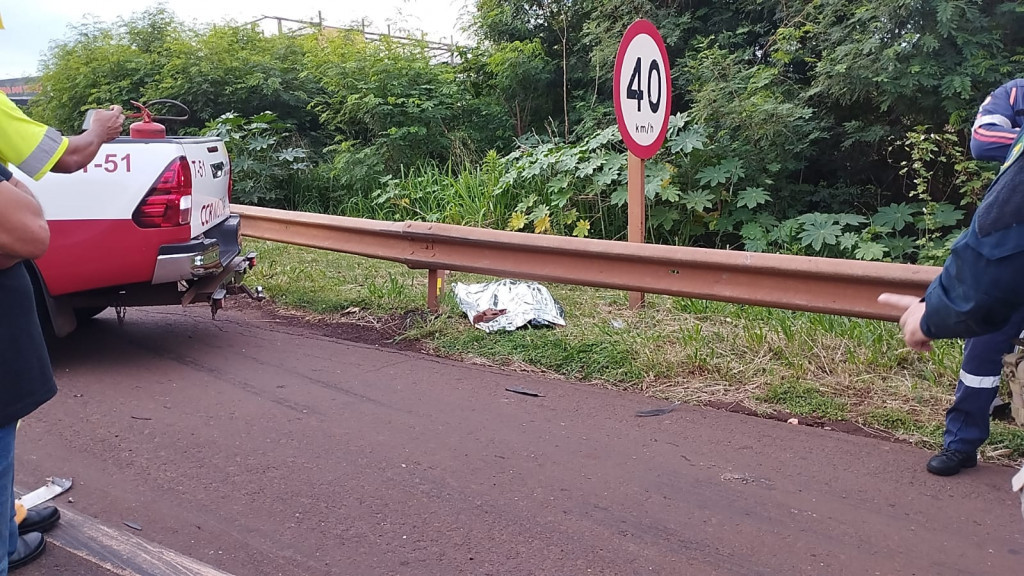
x,y
637,29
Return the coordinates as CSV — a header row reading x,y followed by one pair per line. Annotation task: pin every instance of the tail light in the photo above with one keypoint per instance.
x,y
231,182
169,201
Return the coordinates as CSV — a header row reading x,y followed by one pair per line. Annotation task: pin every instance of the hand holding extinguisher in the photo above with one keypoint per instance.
x,y
147,128
109,123
106,124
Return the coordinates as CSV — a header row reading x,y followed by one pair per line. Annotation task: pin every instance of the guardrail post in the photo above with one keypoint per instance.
x,y
435,288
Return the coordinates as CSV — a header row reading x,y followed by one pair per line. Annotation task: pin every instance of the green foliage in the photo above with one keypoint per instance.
x,y
242,71
696,198
212,70
266,157
467,197
104,64
391,97
752,112
833,128
520,74
564,188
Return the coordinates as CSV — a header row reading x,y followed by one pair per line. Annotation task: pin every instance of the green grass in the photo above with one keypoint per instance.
x,y
805,399
695,351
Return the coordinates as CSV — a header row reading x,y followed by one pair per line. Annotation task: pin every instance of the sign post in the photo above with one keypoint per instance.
x,y
642,91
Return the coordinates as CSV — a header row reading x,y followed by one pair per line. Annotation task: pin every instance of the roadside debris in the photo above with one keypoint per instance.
x,y
488,315
54,487
132,525
657,411
524,391
508,305
1018,486
746,479
793,421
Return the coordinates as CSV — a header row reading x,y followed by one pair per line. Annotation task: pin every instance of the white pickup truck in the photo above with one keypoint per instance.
x,y
147,223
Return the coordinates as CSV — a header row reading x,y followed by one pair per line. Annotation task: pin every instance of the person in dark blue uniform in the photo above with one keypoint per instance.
x,y
979,290
996,127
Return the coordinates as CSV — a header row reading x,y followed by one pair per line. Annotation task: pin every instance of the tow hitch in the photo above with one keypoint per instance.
x,y
234,285
229,281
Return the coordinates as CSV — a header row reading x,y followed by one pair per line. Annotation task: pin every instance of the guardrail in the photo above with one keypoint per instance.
x,y
823,285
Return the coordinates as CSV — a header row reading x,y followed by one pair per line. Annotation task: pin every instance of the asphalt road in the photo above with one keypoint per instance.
x,y
264,447
57,561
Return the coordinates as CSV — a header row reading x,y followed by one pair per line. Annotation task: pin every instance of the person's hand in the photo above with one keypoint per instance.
x,y
108,124
910,323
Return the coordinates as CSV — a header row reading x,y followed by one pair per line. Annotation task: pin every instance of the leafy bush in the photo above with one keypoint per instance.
x,y
696,197
213,70
390,96
834,129
267,160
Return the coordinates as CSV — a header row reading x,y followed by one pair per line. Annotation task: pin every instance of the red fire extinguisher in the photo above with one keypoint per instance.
x,y
147,128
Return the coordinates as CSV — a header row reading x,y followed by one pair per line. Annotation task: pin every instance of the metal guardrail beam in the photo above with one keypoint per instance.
x,y
823,285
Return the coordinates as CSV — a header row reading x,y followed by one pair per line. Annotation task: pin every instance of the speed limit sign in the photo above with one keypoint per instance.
x,y
642,89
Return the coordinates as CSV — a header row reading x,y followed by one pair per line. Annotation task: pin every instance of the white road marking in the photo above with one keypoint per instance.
x,y
122,553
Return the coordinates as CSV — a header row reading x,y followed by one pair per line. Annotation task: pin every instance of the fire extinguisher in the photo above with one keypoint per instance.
x,y
147,128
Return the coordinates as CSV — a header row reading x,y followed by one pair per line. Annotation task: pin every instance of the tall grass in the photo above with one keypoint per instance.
x,y
430,192
466,195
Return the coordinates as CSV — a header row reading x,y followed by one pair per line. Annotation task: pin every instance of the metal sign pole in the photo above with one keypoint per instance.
x,y
637,207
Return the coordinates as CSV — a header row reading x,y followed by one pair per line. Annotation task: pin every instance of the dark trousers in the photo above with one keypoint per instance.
x,y
967,420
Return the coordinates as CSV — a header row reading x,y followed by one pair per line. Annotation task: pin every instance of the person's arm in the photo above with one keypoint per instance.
x,y
81,149
974,294
24,232
997,124
36,148
980,285
20,186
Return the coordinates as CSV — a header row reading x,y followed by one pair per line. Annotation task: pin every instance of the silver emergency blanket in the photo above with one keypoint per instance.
x,y
508,305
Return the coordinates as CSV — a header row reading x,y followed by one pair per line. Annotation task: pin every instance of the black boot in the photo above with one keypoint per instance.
x,y
39,520
30,546
949,462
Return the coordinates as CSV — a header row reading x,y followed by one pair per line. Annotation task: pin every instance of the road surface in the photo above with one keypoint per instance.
x,y
260,446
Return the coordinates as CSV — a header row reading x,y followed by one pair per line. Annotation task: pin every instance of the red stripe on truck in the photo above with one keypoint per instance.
x,y
90,254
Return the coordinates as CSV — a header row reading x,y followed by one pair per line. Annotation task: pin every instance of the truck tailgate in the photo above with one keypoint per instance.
x,y
211,176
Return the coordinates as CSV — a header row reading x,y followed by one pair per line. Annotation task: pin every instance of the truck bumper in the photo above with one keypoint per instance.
x,y
209,267
201,257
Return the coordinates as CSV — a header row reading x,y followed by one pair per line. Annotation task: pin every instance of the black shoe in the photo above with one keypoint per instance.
x,y
30,546
949,462
39,520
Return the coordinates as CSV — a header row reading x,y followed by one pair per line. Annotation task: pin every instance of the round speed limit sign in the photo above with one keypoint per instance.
x,y
642,89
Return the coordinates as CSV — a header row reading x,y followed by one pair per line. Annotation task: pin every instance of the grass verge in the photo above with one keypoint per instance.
x,y
812,366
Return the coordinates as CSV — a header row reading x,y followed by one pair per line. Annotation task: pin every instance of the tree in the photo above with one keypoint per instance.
x,y
520,72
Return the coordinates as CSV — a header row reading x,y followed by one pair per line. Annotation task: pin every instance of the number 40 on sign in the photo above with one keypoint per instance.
x,y
642,92
642,89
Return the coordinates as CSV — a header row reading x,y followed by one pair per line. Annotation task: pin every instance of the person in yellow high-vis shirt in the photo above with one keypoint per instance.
x,y
27,381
